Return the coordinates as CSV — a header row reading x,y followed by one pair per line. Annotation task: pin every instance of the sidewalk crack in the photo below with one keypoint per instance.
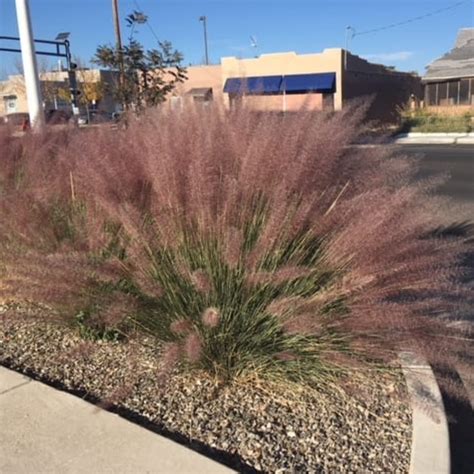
x,y
15,387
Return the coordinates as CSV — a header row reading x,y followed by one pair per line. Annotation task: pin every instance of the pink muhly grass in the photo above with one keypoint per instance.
x,y
201,281
115,310
181,327
171,355
193,347
233,247
147,283
280,276
183,269
340,238
280,307
254,278
211,317
288,273
302,324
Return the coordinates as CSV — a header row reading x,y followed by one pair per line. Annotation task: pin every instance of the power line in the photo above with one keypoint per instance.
x,y
148,23
410,20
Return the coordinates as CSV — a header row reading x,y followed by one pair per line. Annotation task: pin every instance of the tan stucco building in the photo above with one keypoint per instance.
x,y
95,86
204,84
271,82
289,81
285,65
13,96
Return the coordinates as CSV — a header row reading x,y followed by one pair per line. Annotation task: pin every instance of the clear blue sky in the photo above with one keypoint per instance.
x,y
303,26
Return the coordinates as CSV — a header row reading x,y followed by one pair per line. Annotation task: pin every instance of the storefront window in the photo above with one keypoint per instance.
x,y
464,92
443,93
453,91
430,94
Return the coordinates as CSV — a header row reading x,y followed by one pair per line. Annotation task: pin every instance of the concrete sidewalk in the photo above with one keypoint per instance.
x,y
43,430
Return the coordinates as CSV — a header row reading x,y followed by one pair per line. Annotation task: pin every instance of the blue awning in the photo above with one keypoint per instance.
x,y
273,85
260,85
303,83
234,85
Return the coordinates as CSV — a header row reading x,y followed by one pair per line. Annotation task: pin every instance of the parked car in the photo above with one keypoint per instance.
x,y
116,116
16,119
54,117
99,116
21,120
95,116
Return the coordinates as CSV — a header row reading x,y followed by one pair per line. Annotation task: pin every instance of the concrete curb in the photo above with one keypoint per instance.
x,y
430,450
465,141
436,134
415,138
425,141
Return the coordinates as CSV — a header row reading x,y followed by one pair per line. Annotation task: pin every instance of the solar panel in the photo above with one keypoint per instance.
x,y
62,36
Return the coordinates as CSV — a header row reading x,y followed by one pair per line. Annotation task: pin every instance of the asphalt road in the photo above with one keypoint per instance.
x,y
458,162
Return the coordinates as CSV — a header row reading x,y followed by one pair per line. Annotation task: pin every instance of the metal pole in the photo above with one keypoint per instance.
x,y
204,22
71,74
30,68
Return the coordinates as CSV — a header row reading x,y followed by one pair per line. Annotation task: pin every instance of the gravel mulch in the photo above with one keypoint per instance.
x,y
253,426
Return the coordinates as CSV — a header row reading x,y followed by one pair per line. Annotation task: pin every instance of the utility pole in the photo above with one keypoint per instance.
x,y
30,68
118,41
203,19
350,33
118,36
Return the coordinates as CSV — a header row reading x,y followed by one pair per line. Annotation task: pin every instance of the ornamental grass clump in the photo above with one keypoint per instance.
x,y
247,243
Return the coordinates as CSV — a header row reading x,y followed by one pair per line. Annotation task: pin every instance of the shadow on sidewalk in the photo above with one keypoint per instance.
x,y
460,424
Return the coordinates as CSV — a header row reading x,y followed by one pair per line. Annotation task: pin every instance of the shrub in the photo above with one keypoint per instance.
x,y
247,243
425,121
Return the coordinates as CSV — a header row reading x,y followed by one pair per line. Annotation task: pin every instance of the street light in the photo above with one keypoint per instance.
x,y
203,19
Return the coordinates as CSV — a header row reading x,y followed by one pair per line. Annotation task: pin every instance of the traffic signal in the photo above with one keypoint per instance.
x,y
75,93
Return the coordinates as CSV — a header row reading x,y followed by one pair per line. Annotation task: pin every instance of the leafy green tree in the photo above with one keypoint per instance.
x,y
146,77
